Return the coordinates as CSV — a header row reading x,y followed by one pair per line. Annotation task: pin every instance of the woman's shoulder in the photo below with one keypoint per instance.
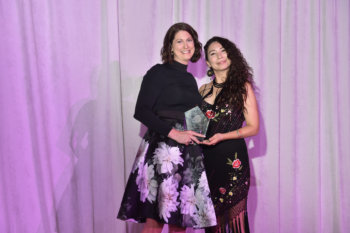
x,y
156,69
205,88
158,75
206,85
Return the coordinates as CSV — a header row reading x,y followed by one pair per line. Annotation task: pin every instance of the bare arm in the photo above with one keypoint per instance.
x,y
204,89
251,114
201,89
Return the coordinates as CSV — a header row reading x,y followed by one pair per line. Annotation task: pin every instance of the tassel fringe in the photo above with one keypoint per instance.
x,y
238,224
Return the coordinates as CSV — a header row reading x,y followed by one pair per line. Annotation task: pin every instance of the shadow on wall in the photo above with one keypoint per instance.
x,y
86,192
257,147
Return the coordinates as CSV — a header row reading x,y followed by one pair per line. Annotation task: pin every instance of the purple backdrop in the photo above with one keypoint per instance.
x,y
70,74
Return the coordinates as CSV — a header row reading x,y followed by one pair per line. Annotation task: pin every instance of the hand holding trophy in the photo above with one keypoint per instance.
x,y
196,121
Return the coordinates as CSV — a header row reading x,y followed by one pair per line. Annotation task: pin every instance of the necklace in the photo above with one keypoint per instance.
x,y
218,85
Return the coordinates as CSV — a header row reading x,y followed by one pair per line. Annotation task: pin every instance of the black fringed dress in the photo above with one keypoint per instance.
x,y
227,168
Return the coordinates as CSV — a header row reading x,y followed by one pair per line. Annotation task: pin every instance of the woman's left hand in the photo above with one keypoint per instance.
x,y
214,139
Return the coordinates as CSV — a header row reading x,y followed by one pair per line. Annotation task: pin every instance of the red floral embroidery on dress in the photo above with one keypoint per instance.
x,y
210,114
222,190
236,163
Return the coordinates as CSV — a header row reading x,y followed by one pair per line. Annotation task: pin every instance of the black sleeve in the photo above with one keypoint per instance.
x,y
151,87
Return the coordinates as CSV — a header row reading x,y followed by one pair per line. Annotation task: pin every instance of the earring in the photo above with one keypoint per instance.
x,y
210,72
172,52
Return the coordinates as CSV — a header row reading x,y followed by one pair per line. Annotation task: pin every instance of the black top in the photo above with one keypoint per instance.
x,y
165,87
223,118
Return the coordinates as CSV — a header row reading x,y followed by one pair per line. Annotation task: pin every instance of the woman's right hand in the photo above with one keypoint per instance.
x,y
185,137
218,137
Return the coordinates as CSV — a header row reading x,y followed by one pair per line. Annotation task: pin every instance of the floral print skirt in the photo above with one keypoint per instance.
x,y
228,172
168,183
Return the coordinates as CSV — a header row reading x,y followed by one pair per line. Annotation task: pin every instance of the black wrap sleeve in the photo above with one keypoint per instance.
x,y
152,85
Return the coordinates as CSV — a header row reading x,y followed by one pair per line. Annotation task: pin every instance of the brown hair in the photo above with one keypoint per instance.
x,y
165,52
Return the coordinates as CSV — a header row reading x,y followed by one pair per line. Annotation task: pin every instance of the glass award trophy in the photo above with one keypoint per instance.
x,y
196,121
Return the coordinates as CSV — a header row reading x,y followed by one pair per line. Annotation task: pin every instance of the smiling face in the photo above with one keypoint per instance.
x,y
217,57
183,47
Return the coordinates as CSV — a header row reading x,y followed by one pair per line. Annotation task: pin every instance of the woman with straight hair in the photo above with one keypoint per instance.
x,y
168,183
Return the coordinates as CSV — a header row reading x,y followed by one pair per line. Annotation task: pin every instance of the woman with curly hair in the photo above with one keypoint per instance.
x,y
168,183
228,101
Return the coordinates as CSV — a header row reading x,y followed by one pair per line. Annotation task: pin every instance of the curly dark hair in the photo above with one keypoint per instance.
x,y
234,92
165,52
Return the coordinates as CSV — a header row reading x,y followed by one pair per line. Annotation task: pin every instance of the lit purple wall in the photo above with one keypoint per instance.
x,y
70,74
